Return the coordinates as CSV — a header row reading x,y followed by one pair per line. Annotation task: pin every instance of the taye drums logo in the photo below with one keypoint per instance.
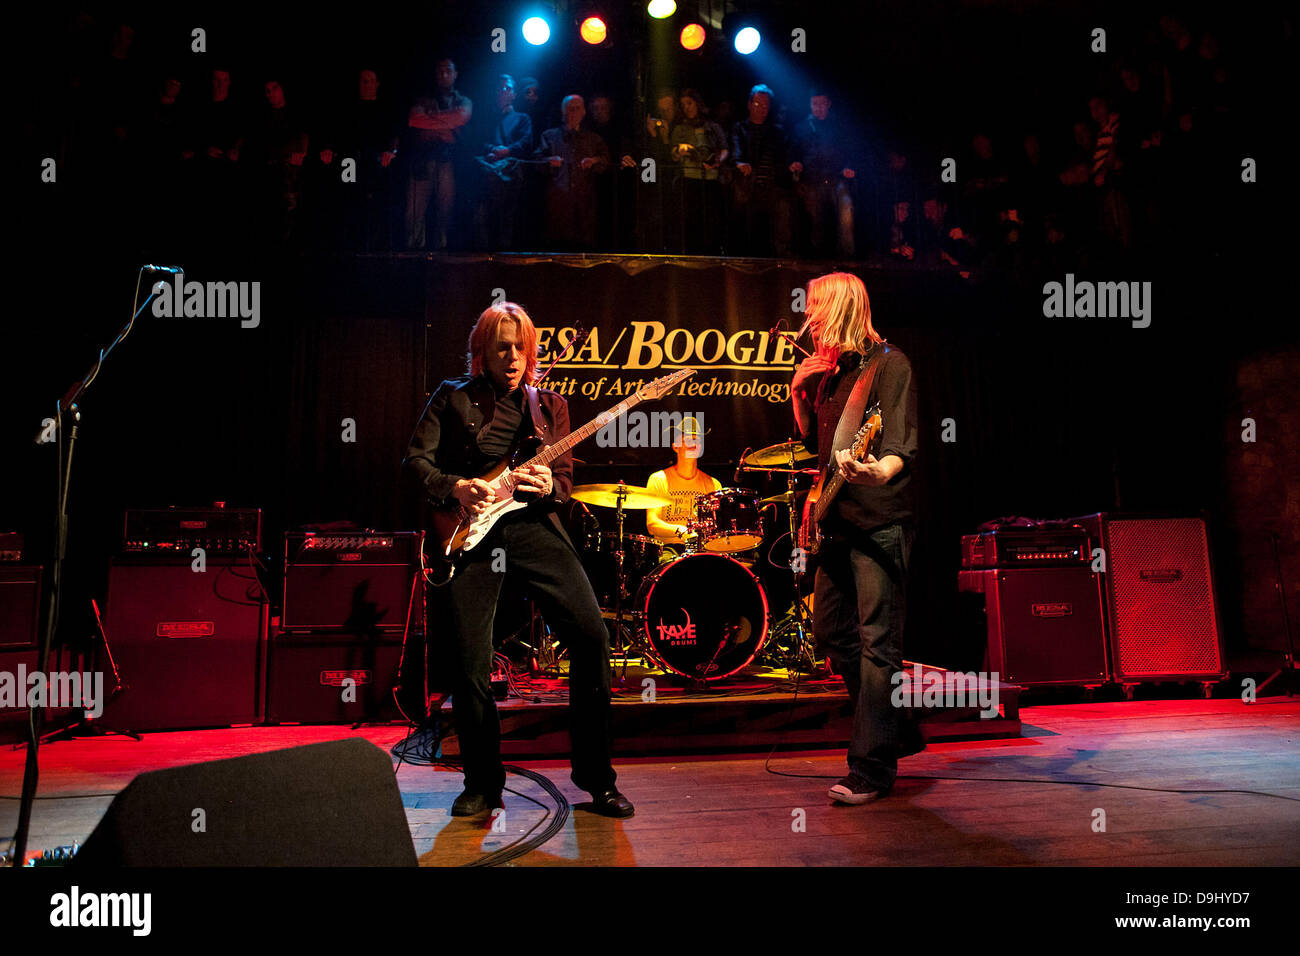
x,y
678,635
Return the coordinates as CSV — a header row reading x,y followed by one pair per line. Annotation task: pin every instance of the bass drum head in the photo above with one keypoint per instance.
x,y
704,616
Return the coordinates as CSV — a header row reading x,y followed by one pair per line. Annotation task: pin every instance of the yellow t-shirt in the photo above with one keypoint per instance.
x,y
663,522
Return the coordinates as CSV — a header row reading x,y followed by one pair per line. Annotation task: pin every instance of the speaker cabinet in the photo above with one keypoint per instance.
x,y
20,606
332,678
1162,620
1044,624
189,645
330,804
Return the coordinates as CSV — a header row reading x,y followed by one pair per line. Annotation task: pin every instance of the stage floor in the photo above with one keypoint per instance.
x,y
728,810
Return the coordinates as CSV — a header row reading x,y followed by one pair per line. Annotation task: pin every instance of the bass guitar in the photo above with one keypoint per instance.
x,y
829,483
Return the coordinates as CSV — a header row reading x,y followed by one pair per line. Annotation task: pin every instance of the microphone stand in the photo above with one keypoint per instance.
x,y
67,419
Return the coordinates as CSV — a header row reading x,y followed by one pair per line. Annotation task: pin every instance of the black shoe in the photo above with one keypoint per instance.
x,y
470,804
611,803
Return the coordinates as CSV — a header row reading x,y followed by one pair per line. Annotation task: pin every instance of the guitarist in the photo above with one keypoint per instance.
x,y
470,424
861,578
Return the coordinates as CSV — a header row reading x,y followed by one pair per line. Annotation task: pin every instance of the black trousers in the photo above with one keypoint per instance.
x,y
861,591
534,555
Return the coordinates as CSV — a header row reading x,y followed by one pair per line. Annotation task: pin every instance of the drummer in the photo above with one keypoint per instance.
x,y
682,482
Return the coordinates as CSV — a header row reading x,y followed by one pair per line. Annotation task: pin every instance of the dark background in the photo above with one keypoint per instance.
x,y
1053,417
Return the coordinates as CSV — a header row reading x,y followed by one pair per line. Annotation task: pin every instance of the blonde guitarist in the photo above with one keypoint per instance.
x,y
867,531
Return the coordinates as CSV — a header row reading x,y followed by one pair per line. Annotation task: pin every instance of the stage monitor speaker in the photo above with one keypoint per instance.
x,y
1044,624
189,645
1158,587
332,678
330,804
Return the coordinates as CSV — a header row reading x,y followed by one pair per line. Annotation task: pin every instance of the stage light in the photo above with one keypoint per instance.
x,y
660,9
536,31
747,41
593,30
693,36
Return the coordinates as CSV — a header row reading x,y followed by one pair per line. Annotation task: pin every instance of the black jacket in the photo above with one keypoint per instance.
x,y
444,448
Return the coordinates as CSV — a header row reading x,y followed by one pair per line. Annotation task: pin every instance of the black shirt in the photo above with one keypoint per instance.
x,y
497,436
868,507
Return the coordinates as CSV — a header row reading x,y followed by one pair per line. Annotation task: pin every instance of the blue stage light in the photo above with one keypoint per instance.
x,y
536,31
747,40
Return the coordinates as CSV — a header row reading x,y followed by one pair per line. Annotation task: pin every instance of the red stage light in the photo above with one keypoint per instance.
x,y
693,36
593,30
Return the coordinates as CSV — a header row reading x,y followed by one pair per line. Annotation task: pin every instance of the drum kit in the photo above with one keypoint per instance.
x,y
700,612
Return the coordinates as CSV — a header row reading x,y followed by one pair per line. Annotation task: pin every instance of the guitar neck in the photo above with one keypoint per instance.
x,y
829,491
565,444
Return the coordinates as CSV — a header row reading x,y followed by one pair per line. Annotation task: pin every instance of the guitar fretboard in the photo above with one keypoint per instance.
x,y
565,444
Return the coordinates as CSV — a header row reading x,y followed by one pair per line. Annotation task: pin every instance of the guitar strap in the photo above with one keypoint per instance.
x,y
540,428
851,417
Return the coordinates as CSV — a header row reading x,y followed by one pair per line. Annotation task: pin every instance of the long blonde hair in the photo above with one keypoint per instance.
x,y
484,335
839,315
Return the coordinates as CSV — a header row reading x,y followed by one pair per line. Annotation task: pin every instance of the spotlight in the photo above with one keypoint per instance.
x,y
747,41
536,31
693,36
593,30
661,9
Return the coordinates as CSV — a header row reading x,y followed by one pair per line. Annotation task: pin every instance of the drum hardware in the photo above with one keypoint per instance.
x,y
784,459
620,496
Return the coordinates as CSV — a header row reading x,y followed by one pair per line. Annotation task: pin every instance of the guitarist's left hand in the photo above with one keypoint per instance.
x,y
869,472
534,478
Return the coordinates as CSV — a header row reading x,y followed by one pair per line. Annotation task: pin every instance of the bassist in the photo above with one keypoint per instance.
x,y
469,424
860,589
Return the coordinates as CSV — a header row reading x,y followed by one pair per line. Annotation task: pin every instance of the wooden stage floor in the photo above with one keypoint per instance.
x,y
1124,758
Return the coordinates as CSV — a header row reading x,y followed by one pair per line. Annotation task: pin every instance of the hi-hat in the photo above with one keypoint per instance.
x,y
778,454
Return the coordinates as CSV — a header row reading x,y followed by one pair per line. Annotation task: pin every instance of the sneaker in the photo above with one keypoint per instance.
x,y
855,790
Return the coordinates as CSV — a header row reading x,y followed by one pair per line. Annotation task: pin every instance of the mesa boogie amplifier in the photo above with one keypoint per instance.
x,y
358,581
178,531
1161,614
1026,548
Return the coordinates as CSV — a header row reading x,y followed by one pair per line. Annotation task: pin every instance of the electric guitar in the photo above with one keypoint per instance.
x,y
456,530
822,495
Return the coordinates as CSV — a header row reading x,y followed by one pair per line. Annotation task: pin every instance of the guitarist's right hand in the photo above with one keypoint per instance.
x,y
815,364
474,494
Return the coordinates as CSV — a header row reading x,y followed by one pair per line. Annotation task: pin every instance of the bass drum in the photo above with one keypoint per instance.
x,y
704,616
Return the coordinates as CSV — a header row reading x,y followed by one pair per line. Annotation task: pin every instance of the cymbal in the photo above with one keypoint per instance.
x,y
784,498
778,454
634,497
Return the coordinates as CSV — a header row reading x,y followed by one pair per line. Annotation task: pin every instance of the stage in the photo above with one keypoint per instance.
x,y
1175,783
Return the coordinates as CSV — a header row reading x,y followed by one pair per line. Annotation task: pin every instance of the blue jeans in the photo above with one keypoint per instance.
x,y
858,614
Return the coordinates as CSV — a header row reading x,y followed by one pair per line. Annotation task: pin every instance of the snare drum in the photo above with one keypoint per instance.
x,y
729,520
703,616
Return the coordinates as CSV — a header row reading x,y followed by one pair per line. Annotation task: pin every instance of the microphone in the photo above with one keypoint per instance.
x,y
740,466
174,270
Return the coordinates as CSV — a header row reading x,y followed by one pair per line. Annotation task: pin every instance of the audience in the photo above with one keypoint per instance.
x,y
1110,172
